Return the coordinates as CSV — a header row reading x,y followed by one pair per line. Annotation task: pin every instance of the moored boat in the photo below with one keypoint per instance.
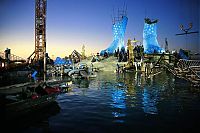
x,y
29,100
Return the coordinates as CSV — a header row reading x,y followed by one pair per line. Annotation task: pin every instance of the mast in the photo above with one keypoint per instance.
x,y
40,32
40,29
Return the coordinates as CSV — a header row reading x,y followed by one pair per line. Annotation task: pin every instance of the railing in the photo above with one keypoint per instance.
x,y
186,69
188,63
13,57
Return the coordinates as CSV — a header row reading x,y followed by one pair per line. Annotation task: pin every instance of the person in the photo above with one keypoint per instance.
x,y
106,54
117,52
92,66
124,68
118,67
120,56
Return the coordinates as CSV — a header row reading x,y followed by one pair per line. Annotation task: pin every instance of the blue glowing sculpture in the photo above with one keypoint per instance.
x,y
150,42
118,29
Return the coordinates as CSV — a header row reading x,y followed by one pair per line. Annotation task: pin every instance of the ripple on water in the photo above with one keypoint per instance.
x,y
124,103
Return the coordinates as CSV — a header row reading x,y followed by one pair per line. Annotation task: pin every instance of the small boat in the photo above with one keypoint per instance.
x,y
29,100
78,74
44,89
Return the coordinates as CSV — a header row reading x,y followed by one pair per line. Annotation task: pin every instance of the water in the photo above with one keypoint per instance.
x,y
122,103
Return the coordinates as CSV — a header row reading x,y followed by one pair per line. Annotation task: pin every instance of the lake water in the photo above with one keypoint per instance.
x,y
122,103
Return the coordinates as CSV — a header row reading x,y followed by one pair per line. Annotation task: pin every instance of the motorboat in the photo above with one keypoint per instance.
x,y
31,99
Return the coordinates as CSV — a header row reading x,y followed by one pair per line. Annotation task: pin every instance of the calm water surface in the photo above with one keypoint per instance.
x,y
122,103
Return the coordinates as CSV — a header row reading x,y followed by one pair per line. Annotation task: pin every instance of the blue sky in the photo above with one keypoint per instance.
x,y
72,23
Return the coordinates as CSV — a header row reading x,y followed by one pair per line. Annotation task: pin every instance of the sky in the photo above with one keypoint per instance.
x,y
72,23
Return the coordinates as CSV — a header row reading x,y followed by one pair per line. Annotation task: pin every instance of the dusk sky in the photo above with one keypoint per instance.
x,y
72,23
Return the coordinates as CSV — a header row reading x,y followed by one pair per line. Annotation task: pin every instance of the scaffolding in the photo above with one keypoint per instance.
x,y
40,29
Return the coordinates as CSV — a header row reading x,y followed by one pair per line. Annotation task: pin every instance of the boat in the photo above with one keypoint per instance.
x,y
78,74
29,100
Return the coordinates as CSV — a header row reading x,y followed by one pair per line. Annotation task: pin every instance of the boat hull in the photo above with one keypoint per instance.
x,y
22,108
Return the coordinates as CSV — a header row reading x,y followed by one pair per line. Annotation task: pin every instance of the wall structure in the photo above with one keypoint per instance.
x,y
150,42
118,31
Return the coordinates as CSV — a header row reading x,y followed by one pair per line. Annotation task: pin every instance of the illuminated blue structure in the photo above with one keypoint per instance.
x,y
150,42
60,61
118,29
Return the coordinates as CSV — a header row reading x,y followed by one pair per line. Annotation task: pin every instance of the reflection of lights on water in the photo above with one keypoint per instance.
x,y
149,102
117,114
138,79
118,97
120,85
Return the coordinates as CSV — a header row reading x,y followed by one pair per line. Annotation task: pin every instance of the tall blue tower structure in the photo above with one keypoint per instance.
x,y
118,31
150,42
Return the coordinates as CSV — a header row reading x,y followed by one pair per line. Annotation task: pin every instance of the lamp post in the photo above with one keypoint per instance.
x,y
186,32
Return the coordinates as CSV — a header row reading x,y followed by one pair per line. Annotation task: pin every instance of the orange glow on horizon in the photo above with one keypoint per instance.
x,y
23,50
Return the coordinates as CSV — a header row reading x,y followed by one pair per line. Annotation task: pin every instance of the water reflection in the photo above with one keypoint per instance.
x,y
37,119
150,98
119,105
138,79
81,83
131,91
119,99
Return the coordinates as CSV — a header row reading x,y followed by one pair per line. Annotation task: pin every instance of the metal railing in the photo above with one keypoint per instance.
x,y
12,57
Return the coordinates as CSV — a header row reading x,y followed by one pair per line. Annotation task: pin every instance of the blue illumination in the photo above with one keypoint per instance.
x,y
34,74
118,30
150,42
60,61
118,97
150,99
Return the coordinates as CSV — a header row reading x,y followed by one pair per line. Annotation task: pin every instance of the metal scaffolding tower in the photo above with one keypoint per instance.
x,y
40,29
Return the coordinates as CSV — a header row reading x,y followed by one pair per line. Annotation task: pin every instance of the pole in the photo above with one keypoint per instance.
x,y
45,63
